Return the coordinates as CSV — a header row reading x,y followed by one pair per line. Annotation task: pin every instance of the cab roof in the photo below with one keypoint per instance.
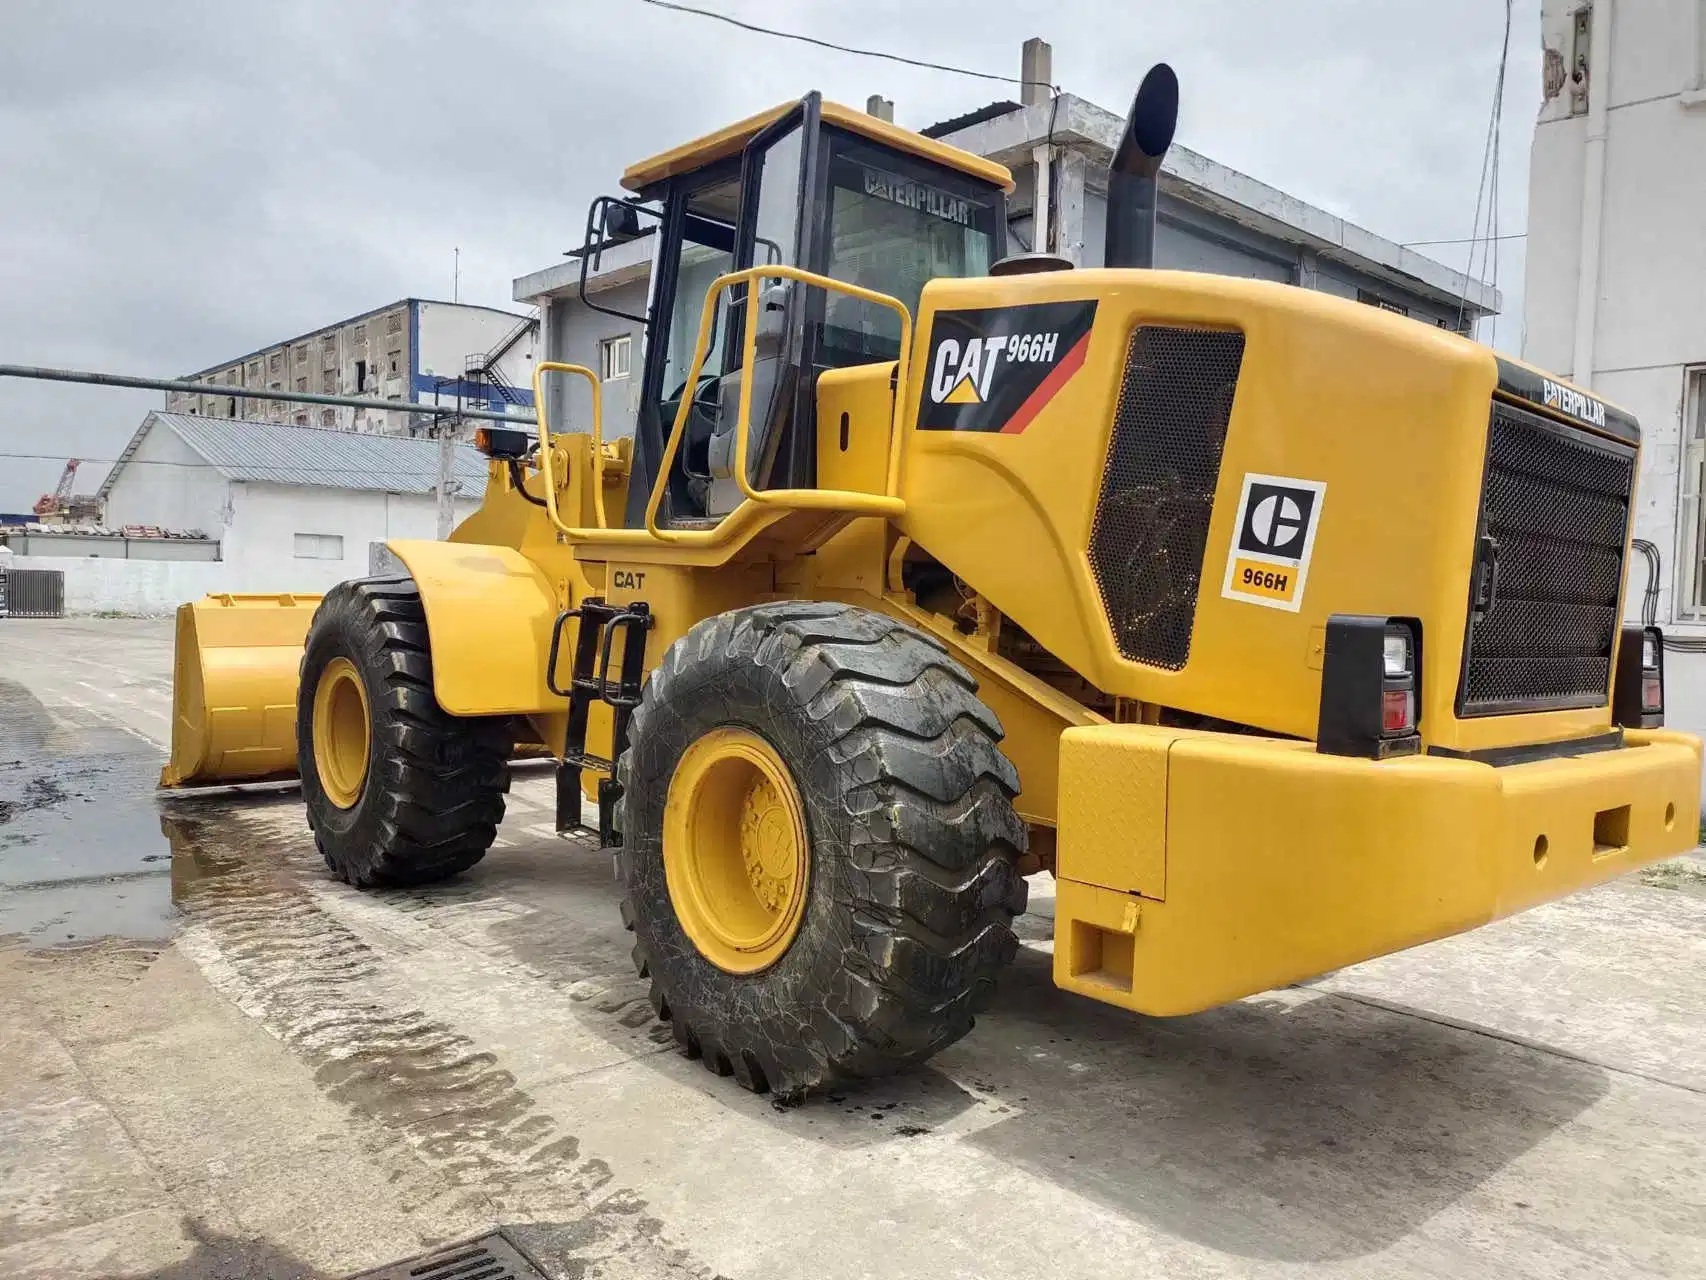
x,y
730,140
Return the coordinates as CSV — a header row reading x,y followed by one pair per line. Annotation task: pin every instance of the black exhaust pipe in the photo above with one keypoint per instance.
x,y
1132,177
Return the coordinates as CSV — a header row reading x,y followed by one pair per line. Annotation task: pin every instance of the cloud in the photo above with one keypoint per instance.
x,y
187,180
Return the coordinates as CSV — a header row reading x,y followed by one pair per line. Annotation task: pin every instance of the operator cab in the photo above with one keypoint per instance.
x,y
807,184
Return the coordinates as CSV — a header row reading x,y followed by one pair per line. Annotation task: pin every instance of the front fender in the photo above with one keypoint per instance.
x,y
489,614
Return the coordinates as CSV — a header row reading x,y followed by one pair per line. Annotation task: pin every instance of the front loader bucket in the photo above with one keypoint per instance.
x,y
234,675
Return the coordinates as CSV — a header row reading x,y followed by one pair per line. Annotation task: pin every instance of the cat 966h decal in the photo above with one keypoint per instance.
x,y
1274,538
993,369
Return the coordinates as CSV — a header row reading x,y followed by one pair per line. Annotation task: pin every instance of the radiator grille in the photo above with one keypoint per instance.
x,y
1543,615
1151,526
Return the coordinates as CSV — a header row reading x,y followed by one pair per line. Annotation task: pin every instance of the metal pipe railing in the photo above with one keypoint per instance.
x,y
254,393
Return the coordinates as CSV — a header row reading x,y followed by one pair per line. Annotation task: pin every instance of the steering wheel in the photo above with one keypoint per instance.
x,y
701,421
710,405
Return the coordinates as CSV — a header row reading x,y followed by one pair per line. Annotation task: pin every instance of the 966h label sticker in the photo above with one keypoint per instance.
x,y
1275,535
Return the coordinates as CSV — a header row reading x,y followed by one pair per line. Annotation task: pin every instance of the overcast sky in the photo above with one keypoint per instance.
x,y
182,181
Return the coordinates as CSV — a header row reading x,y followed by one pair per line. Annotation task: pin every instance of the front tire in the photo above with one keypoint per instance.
x,y
882,857
398,791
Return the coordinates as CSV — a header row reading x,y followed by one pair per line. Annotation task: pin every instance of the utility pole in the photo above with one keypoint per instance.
x,y
456,276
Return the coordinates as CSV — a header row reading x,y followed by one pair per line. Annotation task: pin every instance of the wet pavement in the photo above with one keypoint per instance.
x,y
80,851
220,1061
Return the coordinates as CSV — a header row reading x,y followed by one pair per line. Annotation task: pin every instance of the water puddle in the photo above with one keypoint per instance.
x,y
86,849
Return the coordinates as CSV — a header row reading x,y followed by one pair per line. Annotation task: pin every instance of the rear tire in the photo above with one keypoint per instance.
x,y
911,883
429,801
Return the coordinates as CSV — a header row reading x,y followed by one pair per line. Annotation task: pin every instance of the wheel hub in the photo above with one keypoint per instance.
x,y
735,850
768,843
342,732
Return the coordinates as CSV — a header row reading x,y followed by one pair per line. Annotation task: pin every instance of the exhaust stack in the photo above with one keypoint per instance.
x,y
1132,177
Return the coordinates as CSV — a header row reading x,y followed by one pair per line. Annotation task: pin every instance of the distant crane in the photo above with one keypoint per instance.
x,y
52,504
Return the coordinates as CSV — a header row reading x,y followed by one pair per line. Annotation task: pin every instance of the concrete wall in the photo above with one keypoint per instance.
x,y
100,585
169,484
109,546
1649,314
573,333
1188,238
449,333
260,543
260,551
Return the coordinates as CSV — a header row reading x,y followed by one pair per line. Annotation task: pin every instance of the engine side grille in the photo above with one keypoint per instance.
x,y
1543,612
1151,527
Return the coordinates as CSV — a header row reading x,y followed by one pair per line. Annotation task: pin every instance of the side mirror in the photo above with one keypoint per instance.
x,y
621,223
609,220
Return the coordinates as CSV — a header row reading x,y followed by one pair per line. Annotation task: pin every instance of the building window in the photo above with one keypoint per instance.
x,y
329,348
275,362
394,323
328,417
302,353
254,370
1690,584
302,384
360,376
394,358
329,382
614,357
1384,304
319,546
301,419
231,407
361,335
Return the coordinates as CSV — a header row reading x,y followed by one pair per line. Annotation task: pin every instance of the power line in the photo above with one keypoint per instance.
x,y
1489,171
830,44
1418,244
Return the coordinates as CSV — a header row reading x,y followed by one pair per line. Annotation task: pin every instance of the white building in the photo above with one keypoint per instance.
x,y
293,508
413,349
1210,218
1616,293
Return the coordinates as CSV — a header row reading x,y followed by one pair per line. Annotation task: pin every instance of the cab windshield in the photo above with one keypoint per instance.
x,y
893,231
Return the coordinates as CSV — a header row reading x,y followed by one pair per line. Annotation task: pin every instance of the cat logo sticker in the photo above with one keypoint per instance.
x,y
996,369
1269,561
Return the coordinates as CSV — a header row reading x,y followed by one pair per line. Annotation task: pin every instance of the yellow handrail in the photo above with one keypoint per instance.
x,y
885,504
539,372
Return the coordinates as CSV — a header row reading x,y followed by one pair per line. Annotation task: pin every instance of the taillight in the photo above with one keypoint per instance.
x,y
1638,692
1369,687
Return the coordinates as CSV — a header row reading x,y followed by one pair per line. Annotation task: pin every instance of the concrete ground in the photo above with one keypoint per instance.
x,y
217,1061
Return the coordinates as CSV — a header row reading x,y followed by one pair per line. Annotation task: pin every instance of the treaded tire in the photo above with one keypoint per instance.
x,y
434,791
913,886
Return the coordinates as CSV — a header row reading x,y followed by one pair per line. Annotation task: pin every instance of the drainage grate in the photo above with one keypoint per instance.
x,y
493,1256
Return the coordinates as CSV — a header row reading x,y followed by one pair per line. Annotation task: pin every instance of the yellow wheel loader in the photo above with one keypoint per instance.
x,y
1284,632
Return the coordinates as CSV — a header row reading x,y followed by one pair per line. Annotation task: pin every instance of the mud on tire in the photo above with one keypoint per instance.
x,y
434,791
909,814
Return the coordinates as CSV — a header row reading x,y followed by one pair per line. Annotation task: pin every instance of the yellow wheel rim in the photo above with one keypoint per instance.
x,y
735,852
341,732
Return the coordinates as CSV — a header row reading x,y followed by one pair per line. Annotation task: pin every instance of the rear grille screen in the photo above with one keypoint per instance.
x,y
1151,527
1549,567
